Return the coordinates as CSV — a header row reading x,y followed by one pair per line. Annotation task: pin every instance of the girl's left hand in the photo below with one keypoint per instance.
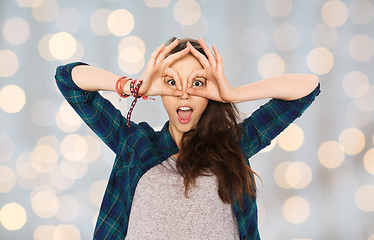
x,y
217,86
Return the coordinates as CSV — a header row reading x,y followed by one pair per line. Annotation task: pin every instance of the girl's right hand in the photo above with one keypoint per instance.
x,y
158,67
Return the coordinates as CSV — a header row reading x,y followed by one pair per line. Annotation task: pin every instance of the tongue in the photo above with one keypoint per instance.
x,y
184,114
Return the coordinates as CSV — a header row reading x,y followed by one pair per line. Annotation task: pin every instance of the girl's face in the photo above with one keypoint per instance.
x,y
184,111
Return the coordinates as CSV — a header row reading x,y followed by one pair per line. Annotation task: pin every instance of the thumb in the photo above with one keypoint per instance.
x,y
197,92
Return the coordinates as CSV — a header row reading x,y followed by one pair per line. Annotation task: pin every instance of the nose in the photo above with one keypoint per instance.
x,y
184,88
185,95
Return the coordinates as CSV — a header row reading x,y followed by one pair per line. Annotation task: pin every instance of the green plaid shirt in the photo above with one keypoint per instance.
x,y
139,148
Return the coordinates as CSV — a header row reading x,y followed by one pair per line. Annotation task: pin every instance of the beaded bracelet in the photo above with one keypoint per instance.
x,y
134,89
122,81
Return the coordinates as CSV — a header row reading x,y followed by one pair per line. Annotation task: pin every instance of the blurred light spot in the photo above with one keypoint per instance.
x,y
18,36
43,158
98,22
291,138
325,36
8,63
355,84
67,119
51,141
62,45
43,113
131,54
269,147
132,42
12,99
356,117
280,174
331,154
129,67
120,22
96,192
29,3
361,11
13,216
296,210
320,60
68,208
365,197
157,3
7,179
186,12
24,167
361,48
73,170
44,232
254,41
7,148
94,148
286,37
74,147
69,20
66,232
44,204
45,12
59,181
366,103
261,213
78,54
27,177
298,175
43,48
277,8
352,140
369,161
270,65
197,30
334,13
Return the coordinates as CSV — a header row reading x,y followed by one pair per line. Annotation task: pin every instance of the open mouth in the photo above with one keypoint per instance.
x,y
184,114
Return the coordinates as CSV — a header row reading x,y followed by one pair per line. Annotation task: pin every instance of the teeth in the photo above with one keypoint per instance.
x,y
184,108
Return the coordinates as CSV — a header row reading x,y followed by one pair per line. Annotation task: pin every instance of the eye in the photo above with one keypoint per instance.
x,y
197,83
170,82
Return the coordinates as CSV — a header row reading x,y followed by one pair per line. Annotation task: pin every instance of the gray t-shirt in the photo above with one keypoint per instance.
x,y
160,209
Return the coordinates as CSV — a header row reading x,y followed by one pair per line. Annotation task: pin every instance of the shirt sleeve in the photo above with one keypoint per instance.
x,y
270,120
97,112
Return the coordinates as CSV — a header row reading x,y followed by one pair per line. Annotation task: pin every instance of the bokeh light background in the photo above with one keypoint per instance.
x,y
318,175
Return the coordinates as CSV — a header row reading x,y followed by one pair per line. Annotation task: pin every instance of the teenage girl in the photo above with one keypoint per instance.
x,y
192,179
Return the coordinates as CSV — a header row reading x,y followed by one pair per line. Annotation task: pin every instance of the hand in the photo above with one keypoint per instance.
x,y
217,86
157,67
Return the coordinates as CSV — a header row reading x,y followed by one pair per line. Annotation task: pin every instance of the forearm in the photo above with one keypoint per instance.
x,y
93,79
285,87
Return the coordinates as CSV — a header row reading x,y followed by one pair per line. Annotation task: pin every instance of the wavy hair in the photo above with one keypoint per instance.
x,y
213,146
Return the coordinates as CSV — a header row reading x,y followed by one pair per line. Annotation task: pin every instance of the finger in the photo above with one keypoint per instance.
x,y
194,74
157,52
202,59
175,76
218,55
175,56
208,52
173,92
166,50
197,92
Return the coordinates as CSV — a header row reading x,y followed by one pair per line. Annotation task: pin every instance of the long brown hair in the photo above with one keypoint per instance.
x,y
213,145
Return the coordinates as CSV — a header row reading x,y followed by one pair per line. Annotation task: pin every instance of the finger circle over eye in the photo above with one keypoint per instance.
x,y
175,76
194,74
